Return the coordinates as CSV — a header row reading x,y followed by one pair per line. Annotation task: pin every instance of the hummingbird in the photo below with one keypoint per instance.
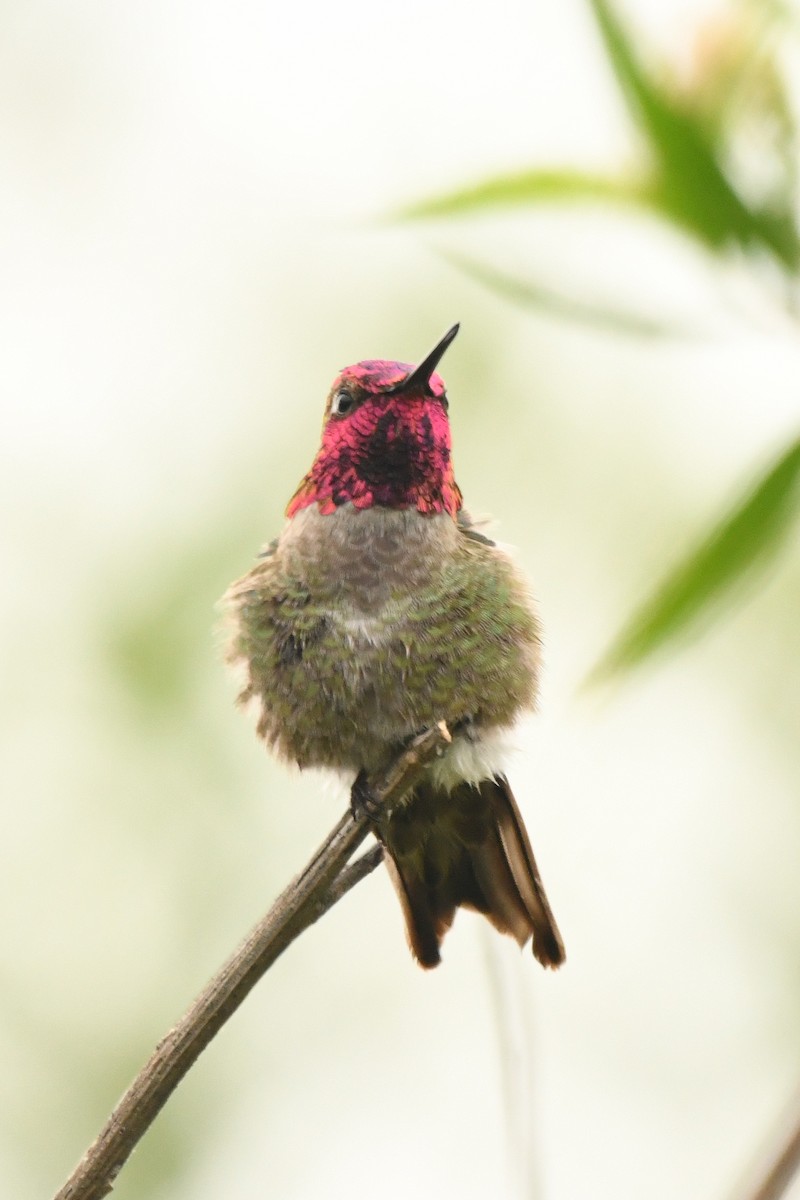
x,y
381,609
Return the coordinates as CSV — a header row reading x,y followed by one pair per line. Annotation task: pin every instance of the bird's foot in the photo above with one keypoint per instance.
x,y
466,728
365,803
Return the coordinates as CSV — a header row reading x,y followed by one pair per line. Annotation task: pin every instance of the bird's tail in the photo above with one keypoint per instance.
x,y
468,847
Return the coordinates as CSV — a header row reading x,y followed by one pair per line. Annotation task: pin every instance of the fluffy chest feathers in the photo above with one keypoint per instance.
x,y
361,627
368,563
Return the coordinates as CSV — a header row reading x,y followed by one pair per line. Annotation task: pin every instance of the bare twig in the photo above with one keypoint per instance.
x,y
781,1165
347,878
324,881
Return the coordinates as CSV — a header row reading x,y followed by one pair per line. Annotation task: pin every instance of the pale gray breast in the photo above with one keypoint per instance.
x,y
366,559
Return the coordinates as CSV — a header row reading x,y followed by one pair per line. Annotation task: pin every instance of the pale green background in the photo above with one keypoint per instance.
x,y
189,253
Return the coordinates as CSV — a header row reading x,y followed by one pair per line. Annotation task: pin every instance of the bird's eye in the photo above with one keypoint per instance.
x,y
342,402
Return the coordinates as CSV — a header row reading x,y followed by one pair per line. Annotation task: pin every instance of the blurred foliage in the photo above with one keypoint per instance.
x,y
688,176
689,183
535,295
755,529
718,163
152,646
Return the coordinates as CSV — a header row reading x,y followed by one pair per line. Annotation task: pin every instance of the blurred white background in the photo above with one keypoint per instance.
x,y
192,245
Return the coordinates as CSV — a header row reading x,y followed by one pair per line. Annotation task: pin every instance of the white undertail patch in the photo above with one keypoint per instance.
x,y
471,758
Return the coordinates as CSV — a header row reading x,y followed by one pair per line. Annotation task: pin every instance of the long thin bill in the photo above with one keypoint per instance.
x,y
420,376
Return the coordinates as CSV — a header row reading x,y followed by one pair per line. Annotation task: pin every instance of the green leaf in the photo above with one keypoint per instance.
x,y
685,183
693,189
532,295
530,187
745,539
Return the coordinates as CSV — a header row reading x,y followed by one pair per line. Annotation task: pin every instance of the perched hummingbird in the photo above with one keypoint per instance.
x,y
380,610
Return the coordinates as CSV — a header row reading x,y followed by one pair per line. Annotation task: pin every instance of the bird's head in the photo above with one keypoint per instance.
x,y
385,440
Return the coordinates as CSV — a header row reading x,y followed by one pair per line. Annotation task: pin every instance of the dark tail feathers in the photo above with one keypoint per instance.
x,y
468,847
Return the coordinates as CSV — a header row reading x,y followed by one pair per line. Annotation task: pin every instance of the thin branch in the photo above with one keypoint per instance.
x,y
781,1165
324,881
352,874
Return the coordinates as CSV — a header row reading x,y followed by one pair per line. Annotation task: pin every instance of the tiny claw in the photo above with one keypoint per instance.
x,y
363,800
465,728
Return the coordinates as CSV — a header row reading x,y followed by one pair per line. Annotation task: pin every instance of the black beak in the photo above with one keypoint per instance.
x,y
420,376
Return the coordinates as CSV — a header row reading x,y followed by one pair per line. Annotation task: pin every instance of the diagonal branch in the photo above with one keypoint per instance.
x,y
323,882
781,1163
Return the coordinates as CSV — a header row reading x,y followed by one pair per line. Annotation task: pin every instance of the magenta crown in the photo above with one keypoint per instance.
x,y
381,375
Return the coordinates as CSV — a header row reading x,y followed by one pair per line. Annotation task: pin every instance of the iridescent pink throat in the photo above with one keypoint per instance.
x,y
392,450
